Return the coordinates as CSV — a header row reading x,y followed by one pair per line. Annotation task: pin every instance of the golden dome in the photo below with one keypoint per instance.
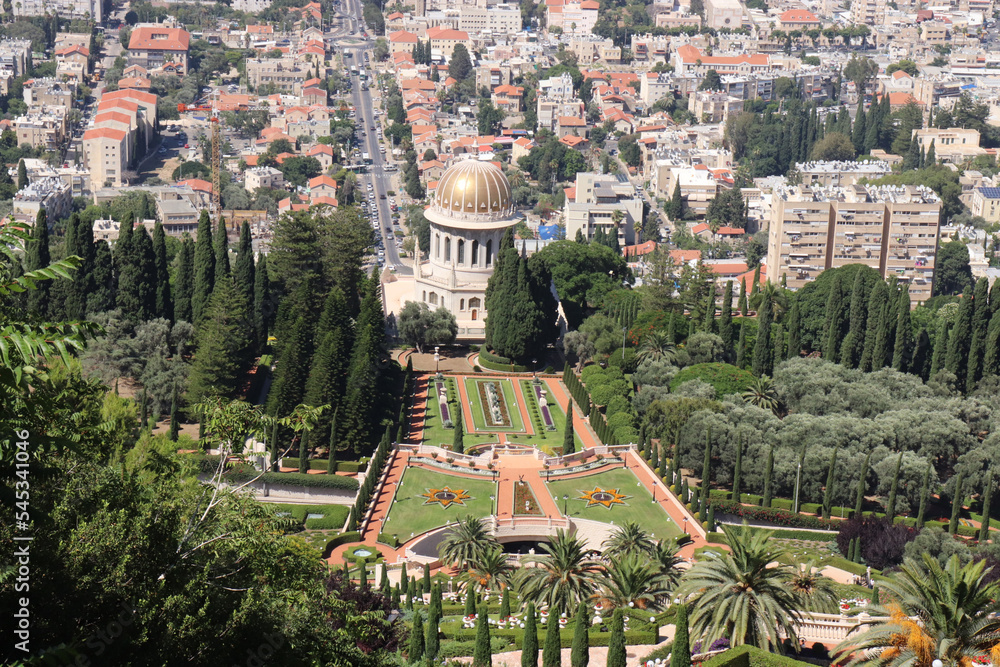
x,y
474,190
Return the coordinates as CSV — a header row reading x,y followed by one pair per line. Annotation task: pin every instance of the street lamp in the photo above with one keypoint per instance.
x,y
684,528
624,331
798,476
534,370
565,501
437,361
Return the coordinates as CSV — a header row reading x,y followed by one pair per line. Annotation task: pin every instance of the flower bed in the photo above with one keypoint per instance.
x,y
494,405
771,515
543,407
444,465
525,503
442,397
585,467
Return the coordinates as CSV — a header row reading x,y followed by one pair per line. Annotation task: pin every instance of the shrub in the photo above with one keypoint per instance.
x,y
751,656
497,363
333,519
724,378
591,371
295,479
602,394
464,649
343,538
770,515
618,404
626,434
882,542
620,419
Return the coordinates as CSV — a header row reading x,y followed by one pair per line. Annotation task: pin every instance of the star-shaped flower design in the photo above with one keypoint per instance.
x,y
604,497
446,497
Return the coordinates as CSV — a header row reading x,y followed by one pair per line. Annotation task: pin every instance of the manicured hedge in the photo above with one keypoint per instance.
x,y
320,464
495,362
771,515
465,649
725,378
751,656
295,479
334,519
343,538
388,540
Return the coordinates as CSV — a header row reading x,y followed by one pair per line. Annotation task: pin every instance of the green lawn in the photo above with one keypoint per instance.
x,y
410,514
436,434
545,440
475,403
639,505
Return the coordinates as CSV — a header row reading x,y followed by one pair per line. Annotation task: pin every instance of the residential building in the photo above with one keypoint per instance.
x,y
557,87
724,14
953,144
654,86
15,57
444,40
262,177
251,6
690,60
283,75
572,16
868,12
49,92
713,107
73,62
840,173
105,150
595,202
45,127
50,193
986,203
156,47
178,216
698,184
799,19
893,229
64,9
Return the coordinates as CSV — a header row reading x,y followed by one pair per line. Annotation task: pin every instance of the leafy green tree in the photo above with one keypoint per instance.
x,y
459,65
529,646
164,301
204,267
834,147
952,274
834,312
711,81
421,326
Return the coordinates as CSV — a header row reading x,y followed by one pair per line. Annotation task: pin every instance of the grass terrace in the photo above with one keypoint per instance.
x,y
510,405
637,504
412,513
549,442
434,431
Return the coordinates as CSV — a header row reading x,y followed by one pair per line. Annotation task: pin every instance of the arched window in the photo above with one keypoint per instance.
x,y
447,249
425,296
461,252
475,253
461,304
434,298
437,246
489,252
474,302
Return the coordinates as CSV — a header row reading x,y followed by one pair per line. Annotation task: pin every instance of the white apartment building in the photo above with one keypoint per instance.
x,y
68,9
263,177
593,202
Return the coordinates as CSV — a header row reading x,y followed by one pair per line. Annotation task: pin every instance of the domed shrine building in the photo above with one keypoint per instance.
x,y
471,209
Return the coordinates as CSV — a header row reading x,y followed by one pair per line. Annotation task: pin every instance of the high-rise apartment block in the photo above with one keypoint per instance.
x,y
893,229
868,12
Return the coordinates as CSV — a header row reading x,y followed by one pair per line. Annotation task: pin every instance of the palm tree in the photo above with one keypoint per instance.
x,y
562,578
466,542
628,538
761,392
491,570
657,345
815,590
634,580
946,613
739,596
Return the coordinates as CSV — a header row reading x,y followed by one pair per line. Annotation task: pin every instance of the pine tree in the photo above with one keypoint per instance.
x,y
223,348
980,323
290,377
768,477
529,645
984,527
220,245
184,281
741,346
616,644
832,330
482,655
553,644
877,298
960,341
164,302
243,275
261,301
416,648
738,469
569,439
680,655
742,303
37,256
458,438
940,355
175,426
853,346
890,507
956,505
204,267
763,356
991,358
830,481
580,653
726,321
904,334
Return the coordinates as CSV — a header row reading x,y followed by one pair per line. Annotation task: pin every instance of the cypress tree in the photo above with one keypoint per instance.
x,y
726,321
904,334
304,452
738,469
505,604
553,644
680,655
432,643
921,362
853,346
877,298
984,528
777,345
830,481
859,498
890,507
832,332
616,644
458,438
580,653
763,356
796,504
872,125
164,301
102,298
940,355
569,439
756,281
860,130
885,333
706,475
482,655
204,267
960,341
261,301
37,256
742,345
768,477
931,158
980,323
220,245
244,272
529,645
742,303
794,331
22,175
416,649
710,312
470,601
396,598
175,426
184,281
331,457
925,491
427,578
991,356
956,505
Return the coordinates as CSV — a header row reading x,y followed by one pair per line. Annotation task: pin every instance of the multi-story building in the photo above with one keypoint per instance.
x,y
595,202
73,61
931,90
868,12
986,203
68,9
690,60
285,75
251,6
104,151
156,47
893,229
263,177
179,216
44,128
15,57
549,111
557,87
713,107
49,92
697,184
50,193
953,144
654,86
572,16
444,40
724,14
650,48
840,173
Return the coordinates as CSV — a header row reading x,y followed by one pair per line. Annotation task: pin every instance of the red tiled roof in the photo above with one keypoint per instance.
x,y
197,184
798,16
159,39
104,133
76,48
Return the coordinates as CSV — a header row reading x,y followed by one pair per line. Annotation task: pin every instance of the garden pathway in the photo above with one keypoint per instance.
x,y
581,425
415,430
514,468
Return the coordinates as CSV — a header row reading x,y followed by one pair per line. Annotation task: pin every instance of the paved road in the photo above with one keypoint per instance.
x,y
364,104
